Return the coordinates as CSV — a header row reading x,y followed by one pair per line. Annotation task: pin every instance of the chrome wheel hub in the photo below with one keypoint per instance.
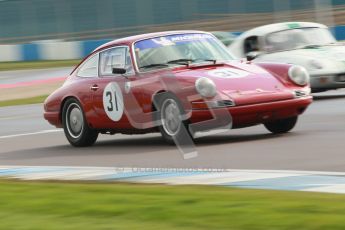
x,y
74,120
170,115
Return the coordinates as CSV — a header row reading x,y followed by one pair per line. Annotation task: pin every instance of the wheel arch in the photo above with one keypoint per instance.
x,y
153,108
186,110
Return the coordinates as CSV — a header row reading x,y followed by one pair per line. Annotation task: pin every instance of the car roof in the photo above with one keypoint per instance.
x,y
262,30
131,39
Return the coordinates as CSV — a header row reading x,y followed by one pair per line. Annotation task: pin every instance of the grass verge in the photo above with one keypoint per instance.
x,y
37,64
24,101
58,205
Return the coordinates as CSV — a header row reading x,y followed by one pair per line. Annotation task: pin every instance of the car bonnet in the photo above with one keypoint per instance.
x,y
234,76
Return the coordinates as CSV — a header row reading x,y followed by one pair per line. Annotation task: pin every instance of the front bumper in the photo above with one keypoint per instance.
x,y
248,115
331,81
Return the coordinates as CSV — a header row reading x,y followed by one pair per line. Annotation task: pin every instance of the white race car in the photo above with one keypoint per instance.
x,y
302,43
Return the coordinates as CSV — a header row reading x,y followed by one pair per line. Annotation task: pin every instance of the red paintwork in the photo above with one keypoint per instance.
x,y
274,100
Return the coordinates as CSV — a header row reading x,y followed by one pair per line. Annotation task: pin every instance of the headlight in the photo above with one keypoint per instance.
x,y
206,87
299,75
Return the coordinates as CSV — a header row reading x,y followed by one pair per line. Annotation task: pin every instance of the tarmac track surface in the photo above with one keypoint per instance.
x,y
317,143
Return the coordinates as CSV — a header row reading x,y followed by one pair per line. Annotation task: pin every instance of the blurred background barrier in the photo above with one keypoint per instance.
x,y
65,29
48,50
65,50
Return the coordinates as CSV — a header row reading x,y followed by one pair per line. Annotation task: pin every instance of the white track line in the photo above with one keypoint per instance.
x,y
33,133
177,170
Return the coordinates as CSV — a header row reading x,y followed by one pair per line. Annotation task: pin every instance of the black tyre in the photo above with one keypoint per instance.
x,y
76,129
170,115
281,126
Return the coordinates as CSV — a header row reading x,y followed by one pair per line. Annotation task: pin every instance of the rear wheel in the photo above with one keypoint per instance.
x,y
76,129
281,126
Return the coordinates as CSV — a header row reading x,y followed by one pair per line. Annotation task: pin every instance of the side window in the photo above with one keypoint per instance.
x,y
251,44
115,58
89,68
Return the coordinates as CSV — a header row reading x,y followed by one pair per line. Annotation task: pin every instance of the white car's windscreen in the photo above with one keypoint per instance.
x,y
297,38
169,50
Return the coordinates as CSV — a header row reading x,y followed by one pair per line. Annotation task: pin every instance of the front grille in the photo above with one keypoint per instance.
x,y
300,93
340,78
213,104
225,103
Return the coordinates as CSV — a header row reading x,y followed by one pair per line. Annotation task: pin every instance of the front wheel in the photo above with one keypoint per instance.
x,y
76,129
281,126
170,112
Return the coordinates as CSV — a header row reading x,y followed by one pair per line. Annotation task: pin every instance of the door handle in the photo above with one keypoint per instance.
x,y
94,87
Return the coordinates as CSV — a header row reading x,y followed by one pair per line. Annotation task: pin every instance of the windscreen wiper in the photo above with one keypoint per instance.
x,y
153,65
186,61
182,61
210,60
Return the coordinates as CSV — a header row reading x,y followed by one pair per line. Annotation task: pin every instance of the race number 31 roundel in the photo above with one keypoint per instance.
x,y
113,101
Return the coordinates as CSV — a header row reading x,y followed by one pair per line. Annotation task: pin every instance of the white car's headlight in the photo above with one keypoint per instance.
x,y
299,75
206,87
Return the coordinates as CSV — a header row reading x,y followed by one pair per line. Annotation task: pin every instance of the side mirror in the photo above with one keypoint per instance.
x,y
119,71
252,55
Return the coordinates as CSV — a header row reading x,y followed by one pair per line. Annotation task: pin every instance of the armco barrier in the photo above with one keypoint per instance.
x,y
62,50
49,50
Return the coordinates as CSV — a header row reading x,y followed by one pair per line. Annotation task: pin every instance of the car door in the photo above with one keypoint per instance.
x,y
109,93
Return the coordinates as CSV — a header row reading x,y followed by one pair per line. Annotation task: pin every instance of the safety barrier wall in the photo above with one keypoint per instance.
x,y
49,50
64,50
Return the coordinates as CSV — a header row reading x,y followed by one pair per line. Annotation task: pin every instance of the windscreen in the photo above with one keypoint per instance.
x,y
297,38
162,52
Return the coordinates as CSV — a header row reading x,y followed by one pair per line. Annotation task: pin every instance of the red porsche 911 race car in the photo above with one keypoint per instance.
x,y
179,83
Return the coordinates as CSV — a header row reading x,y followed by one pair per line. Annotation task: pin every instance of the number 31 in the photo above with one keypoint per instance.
x,y
111,105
